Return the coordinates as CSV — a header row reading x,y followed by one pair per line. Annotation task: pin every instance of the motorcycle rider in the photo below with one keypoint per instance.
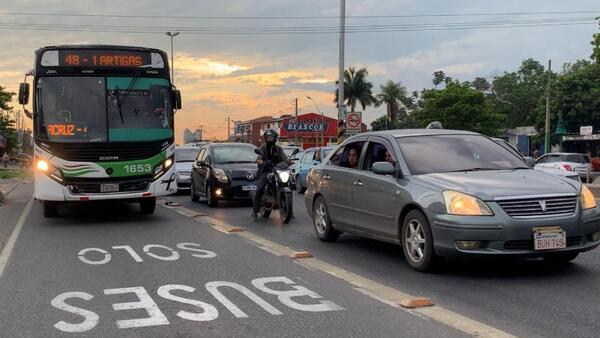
x,y
271,153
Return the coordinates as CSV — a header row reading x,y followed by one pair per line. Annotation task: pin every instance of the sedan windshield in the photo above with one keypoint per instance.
x,y
235,154
454,153
185,155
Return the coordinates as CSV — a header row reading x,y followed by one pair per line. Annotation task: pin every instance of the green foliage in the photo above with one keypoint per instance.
x,y
458,106
596,45
7,129
392,94
357,89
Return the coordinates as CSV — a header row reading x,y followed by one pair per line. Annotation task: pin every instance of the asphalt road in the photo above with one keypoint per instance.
x,y
525,297
105,270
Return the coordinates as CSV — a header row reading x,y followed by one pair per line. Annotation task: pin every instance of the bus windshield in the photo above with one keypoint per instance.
x,y
104,109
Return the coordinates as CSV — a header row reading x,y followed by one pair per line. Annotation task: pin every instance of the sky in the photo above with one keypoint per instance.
x,y
224,69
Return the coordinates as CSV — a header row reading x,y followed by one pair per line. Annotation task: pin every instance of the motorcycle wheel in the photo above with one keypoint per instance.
x,y
286,207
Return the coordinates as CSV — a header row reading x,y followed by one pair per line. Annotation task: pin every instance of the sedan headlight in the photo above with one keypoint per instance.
x,y
588,201
284,176
458,203
220,175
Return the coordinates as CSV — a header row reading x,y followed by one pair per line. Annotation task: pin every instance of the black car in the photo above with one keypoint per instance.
x,y
224,171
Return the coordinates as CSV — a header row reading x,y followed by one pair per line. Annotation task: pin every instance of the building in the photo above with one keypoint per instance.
x,y
190,137
310,129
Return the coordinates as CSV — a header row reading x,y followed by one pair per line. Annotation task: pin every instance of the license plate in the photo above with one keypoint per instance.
x,y
248,187
547,238
109,187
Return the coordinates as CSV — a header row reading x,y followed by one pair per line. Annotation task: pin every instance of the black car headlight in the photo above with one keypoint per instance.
x,y
220,175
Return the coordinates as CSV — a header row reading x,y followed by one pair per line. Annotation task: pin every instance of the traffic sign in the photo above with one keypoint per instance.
x,y
353,123
586,130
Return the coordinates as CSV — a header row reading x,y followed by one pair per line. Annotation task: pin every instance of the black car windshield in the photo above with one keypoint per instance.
x,y
233,154
453,153
186,155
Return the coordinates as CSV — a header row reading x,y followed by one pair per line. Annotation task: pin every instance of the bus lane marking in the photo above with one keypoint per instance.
x,y
10,245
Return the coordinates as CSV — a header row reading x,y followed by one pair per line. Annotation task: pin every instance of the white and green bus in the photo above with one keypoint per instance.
x,y
103,125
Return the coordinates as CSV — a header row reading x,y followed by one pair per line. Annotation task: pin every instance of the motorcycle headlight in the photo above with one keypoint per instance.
x,y
284,176
220,175
458,203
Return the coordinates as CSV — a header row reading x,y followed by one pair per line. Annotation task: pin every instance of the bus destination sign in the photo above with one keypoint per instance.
x,y
103,58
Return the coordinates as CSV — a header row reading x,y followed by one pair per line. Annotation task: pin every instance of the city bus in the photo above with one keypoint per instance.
x,y
103,125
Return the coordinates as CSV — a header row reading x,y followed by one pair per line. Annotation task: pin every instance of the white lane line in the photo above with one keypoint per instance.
x,y
5,255
368,287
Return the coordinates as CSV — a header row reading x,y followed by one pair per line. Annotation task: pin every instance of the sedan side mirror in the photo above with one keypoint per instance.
x,y
530,161
384,168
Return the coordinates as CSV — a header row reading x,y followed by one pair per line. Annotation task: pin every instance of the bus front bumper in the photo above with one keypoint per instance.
x,y
47,189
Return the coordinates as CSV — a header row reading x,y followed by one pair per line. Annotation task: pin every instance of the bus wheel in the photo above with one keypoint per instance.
x,y
50,209
148,205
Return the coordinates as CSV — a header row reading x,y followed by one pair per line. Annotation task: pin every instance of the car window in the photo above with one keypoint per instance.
x,y
575,158
296,156
553,158
454,153
185,155
348,156
233,154
326,152
308,156
317,156
377,152
542,159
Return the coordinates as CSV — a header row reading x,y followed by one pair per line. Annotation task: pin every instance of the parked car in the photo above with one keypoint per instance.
x,y
443,193
291,150
310,158
577,163
294,167
184,158
558,172
224,171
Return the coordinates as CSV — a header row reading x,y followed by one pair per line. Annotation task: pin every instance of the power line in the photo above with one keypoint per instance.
x,y
291,31
285,17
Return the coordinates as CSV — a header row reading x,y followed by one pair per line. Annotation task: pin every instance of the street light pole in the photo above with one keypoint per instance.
x,y
322,121
172,35
341,108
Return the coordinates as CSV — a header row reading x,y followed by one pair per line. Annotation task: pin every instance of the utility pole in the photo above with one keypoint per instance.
x,y
341,108
228,128
547,138
172,35
296,131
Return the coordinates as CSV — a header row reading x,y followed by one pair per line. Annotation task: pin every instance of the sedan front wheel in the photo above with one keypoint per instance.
x,y
417,241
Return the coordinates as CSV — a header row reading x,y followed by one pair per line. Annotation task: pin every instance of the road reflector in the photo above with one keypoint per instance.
x,y
172,204
301,254
413,303
235,229
198,215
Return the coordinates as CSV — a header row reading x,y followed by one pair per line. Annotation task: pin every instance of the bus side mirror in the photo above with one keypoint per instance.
x,y
24,93
176,99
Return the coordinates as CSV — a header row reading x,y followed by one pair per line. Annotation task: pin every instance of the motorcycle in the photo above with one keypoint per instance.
x,y
278,191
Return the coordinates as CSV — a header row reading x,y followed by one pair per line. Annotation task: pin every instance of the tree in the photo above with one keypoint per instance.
x,y
458,106
392,94
481,84
519,94
596,45
7,129
383,123
438,77
357,89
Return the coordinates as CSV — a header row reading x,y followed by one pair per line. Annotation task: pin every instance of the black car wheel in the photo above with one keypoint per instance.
x,y
210,198
417,242
193,195
322,223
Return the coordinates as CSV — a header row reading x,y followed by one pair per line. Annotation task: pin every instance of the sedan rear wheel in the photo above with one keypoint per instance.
x,y
323,227
417,241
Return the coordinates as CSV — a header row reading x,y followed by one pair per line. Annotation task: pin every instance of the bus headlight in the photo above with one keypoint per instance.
x,y
168,163
160,169
42,165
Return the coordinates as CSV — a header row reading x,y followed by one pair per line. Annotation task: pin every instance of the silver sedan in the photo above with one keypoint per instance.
x,y
443,193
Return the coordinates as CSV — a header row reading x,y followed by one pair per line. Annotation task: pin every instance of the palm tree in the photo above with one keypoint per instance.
x,y
391,94
357,89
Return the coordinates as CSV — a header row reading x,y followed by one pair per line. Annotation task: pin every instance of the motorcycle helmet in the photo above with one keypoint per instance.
x,y
270,136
